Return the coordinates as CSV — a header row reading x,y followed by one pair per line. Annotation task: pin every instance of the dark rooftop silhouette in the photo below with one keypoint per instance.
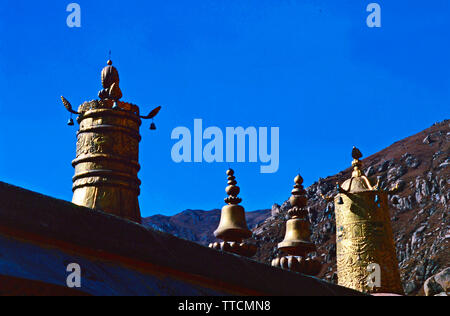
x,y
40,236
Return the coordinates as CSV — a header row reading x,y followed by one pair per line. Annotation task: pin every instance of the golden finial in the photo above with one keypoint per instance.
x,y
356,163
232,189
358,181
297,242
110,83
356,153
233,228
298,199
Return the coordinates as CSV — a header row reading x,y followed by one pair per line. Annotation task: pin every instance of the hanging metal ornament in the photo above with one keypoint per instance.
x,y
68,107
70,121
151,115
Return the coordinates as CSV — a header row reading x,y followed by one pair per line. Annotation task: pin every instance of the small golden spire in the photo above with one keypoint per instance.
x,y
110,83
233,226
232,189
358,181
297,242
356,163
298,199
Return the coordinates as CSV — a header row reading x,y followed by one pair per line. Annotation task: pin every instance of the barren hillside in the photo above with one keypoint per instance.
x,y
419,211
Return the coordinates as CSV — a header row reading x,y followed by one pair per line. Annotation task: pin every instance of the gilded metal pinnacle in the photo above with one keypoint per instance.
x,y
356,163
296,242
298,199
232,189
232,227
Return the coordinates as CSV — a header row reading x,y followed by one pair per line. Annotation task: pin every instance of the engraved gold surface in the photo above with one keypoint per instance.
x,y
364,236
106,163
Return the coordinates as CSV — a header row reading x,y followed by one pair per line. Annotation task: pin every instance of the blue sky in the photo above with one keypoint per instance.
x,y
312,68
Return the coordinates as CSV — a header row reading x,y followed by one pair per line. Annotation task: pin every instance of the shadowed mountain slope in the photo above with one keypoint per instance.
x,y
197,225
419,164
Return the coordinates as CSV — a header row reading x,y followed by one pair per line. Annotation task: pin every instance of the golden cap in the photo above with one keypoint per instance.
x,y
358,182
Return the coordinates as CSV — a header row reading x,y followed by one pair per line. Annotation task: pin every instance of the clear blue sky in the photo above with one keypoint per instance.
x,y
312,68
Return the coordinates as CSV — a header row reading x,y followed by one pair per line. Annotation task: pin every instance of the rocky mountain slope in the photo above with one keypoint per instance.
x,y
196,225
419,211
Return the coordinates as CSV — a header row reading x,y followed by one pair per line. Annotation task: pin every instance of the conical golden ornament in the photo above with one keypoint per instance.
x,y
366,256
296,241
233,226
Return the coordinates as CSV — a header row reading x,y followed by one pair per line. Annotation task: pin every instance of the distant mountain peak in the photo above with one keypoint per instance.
x,y
198,225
